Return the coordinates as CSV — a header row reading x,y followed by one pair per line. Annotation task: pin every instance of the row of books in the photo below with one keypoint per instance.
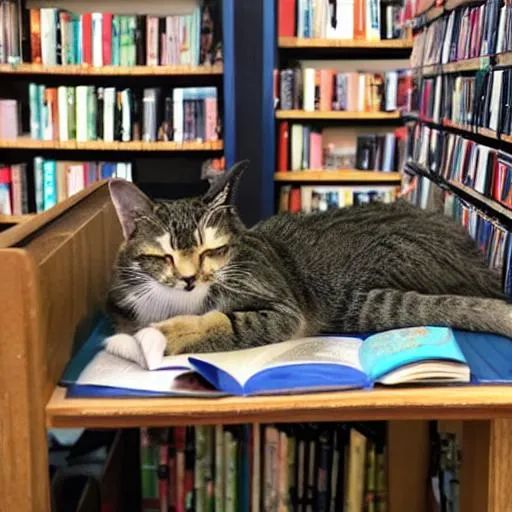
x,y
313,89
320,198
26,189
473,101
467,32
493,239
322,467
86,113
462,160
370,20
302,147
60,37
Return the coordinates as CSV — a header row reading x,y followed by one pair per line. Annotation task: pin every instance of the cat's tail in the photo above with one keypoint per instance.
x,y
383,309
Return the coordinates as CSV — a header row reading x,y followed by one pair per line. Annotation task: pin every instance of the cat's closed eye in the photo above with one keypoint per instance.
x,y
217,252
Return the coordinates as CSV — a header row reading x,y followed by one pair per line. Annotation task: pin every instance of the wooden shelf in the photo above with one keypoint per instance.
x,y
468,402
16,219
342,175
385,44
39,69
460,66
335,114
28,143
490,203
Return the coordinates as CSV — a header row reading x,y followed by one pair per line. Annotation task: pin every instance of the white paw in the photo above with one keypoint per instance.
x,y
123,345
152,344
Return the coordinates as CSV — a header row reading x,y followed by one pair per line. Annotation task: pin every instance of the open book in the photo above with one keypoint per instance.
x,y
419,355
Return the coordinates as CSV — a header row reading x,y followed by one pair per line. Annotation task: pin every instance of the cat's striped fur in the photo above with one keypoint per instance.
x,y
357,269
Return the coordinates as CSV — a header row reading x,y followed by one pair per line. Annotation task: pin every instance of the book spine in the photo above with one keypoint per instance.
x,y
107,39
87,44
35,35
35,111
58,38
49,184
16,190
5,190
62,98
66,38
81,113
116,40
132,36
140,41
152,40
91,113
71,110
48,37
219,468
97,39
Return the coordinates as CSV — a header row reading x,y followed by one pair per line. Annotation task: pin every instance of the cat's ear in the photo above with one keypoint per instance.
x,y
130,202
223,190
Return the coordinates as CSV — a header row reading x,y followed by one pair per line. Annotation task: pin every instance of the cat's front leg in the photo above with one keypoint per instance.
x,y
216,331
195,333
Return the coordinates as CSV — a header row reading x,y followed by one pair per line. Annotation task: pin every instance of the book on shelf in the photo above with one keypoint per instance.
x,y
10,119
36,188
122,365
324,466
466,32
302,146
62,37
360,20
86,113
326,90
320,198
461,160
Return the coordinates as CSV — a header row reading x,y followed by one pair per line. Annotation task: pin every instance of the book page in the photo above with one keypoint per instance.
x,y
111,371
385,352
243,364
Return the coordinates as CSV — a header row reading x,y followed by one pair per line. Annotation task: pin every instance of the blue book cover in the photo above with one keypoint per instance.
x,y
420,355
49,184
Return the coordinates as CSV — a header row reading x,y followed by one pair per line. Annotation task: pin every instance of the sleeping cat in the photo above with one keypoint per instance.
x,y
192,270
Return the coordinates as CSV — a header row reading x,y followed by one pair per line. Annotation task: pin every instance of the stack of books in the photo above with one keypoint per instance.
x,y
313,89
60,37
302,147
362,20
320,198
25,190
319,467
86,113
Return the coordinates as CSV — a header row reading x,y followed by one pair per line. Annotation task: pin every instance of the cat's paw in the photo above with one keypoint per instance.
x,y
181,333
152,344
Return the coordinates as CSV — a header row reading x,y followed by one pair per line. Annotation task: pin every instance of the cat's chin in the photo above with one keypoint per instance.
x,y
164,302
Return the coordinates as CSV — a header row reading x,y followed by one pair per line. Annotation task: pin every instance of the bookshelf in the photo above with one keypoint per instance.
x,y
385,44
43,320
340,129
340,116
338,176
83,70
25,142
170,71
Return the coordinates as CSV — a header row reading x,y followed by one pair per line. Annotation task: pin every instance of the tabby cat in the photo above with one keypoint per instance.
x,y
192,270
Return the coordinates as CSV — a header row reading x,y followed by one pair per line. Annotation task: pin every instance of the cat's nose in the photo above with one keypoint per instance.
x,y
189,282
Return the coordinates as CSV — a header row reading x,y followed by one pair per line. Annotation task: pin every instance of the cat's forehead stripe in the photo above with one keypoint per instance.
x,y
211,238
165,242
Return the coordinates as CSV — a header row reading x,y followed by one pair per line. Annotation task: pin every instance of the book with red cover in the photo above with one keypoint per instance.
x,y
315,150
286,18
359,20
295,205
87,38
283,143
35,35
326,89
107,38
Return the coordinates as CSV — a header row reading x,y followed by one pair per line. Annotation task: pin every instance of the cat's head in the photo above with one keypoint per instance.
x,y
181,243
